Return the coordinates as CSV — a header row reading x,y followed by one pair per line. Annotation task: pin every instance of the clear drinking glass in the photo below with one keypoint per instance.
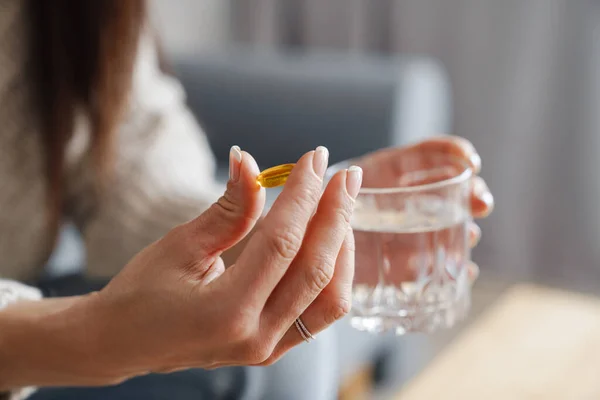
x,y
411,229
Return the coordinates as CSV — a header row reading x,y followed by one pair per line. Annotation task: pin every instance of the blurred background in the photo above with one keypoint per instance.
x,y
518,78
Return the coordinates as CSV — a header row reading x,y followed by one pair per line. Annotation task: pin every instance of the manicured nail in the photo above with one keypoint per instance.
x,y
235,163
473,272
481,190
211,276
476,162
320,160
474,234
354,180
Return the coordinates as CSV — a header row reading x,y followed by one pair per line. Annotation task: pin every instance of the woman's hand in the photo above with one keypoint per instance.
x,y
175,306
388,165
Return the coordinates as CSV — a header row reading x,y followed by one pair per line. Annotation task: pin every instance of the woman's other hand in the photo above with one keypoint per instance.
x,y
387,165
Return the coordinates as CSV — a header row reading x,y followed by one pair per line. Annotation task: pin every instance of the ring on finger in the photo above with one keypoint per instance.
x,y
304,332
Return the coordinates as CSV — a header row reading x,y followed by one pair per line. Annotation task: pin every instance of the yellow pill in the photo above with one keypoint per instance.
x,y
274,176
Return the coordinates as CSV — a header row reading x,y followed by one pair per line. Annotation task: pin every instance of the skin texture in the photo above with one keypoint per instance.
x,y
175,306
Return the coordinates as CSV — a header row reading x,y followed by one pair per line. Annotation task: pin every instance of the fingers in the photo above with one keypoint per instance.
x,y
420,163
453,145
231,218
314,266
482,201
473,272
332,304
272,248
474,234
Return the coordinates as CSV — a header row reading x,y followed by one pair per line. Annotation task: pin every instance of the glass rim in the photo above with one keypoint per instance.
x,y
466,174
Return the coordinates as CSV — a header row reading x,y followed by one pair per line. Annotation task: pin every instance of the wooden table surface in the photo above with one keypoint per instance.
x,y
534,343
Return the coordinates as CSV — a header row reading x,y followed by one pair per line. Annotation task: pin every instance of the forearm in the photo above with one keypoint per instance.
x,y
49,343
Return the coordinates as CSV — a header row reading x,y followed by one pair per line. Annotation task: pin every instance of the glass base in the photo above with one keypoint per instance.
x,y
413,319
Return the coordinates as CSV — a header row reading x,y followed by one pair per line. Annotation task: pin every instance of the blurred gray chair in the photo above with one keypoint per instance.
x,y
278,106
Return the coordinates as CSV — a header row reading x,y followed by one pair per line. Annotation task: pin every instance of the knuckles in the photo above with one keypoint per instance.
x,y
228,209
338,309
308,196
319,275
251,345
228,206
285,243
273,358
240,329
256,351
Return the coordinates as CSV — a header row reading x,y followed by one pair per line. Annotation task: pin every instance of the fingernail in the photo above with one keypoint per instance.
x,y
473,272
320,160
482,191
354,180
211,276
474,235
235,162
476,163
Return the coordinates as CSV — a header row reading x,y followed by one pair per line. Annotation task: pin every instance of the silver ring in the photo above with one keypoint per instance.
x,y
304,332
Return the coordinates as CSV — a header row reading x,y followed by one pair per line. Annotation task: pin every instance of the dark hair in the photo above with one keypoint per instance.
x,y
84,55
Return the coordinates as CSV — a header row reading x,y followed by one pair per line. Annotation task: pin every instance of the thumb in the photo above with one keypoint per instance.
x,y
232,217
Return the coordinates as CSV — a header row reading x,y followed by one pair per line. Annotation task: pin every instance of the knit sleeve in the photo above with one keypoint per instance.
x,y
13,292
163,175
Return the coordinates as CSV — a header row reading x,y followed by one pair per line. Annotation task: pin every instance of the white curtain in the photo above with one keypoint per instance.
x,y
188,27
526,91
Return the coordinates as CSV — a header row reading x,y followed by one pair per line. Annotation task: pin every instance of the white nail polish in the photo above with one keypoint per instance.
x,y
237,153
354,180
235,160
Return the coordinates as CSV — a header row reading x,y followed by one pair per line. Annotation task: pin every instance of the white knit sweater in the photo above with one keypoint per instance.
x,y
164,167
164,171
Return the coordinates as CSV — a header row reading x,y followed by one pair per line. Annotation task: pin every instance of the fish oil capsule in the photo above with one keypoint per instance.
x,y
274,176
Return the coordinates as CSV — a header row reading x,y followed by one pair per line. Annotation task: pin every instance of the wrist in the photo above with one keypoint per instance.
x,y
50,342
